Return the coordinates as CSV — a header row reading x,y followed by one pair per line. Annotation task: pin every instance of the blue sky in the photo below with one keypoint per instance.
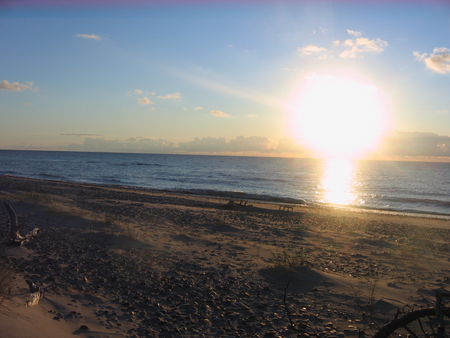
x,y
202,77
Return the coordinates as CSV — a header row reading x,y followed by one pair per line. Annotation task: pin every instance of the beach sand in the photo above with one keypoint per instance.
x,y
118,262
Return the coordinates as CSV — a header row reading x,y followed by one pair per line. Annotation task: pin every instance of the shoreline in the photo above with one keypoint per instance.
x,y
137,263
248,197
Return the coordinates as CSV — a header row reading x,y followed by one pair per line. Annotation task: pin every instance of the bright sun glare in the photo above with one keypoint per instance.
x,y
338,117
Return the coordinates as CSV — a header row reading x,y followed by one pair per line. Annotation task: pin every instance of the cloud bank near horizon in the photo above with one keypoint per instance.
x,y
395,144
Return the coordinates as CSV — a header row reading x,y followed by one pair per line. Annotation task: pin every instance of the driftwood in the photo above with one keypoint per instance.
x,y
14,236
231,204
439,312
440,295
36,293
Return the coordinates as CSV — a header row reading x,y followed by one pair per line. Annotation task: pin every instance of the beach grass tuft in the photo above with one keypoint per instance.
x,y
288,259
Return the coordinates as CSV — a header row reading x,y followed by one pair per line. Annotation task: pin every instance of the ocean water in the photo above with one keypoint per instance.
x,y
380,186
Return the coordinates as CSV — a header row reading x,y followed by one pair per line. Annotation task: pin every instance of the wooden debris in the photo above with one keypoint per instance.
x,y
14,236
241,203
36,293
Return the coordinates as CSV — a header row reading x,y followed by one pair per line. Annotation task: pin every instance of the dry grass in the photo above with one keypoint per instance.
x,y
288,259
365,296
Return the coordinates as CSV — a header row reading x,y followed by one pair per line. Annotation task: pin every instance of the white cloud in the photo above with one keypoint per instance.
x,y
359,45
89,36
355,33
438,61
311,50
145,100
219,113
15,86
353,48
198,108
443,111
171,96
137,91
420,57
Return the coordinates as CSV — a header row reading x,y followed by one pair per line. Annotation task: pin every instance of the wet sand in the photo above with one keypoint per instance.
x,y
138,263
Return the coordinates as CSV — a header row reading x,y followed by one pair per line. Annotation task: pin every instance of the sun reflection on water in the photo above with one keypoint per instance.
x,y
338,182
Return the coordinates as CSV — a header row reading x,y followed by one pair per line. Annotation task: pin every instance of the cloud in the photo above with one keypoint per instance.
x,y
137,91
89,36
438,61
132,145
171,96
252,143
359,45
239,144
355,33
207,144
198,108
16,86
353,48
80,135
219,113
399,143
395,144
311,50
145,100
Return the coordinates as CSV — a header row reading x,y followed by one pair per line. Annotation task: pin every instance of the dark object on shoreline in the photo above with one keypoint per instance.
x,y
231,204
14,236
286,208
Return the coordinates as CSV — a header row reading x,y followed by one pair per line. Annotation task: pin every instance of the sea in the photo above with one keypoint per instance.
x,y
396,187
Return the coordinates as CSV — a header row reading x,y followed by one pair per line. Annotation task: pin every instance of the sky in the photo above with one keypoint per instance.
x,y
270,78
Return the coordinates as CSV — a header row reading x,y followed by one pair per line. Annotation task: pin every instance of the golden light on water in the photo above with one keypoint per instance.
x,y
338,182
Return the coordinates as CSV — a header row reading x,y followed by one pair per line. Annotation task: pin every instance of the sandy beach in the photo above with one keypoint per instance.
x,y
122,262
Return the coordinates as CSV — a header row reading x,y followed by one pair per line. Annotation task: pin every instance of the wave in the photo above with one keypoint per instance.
x,y
11,172
241,195
51,176
127,164
417,201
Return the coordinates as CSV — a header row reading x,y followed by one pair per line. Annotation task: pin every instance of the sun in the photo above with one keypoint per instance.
x,y
338,116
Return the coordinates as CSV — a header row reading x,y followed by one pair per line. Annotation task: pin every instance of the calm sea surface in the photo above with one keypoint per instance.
x,y
407,187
